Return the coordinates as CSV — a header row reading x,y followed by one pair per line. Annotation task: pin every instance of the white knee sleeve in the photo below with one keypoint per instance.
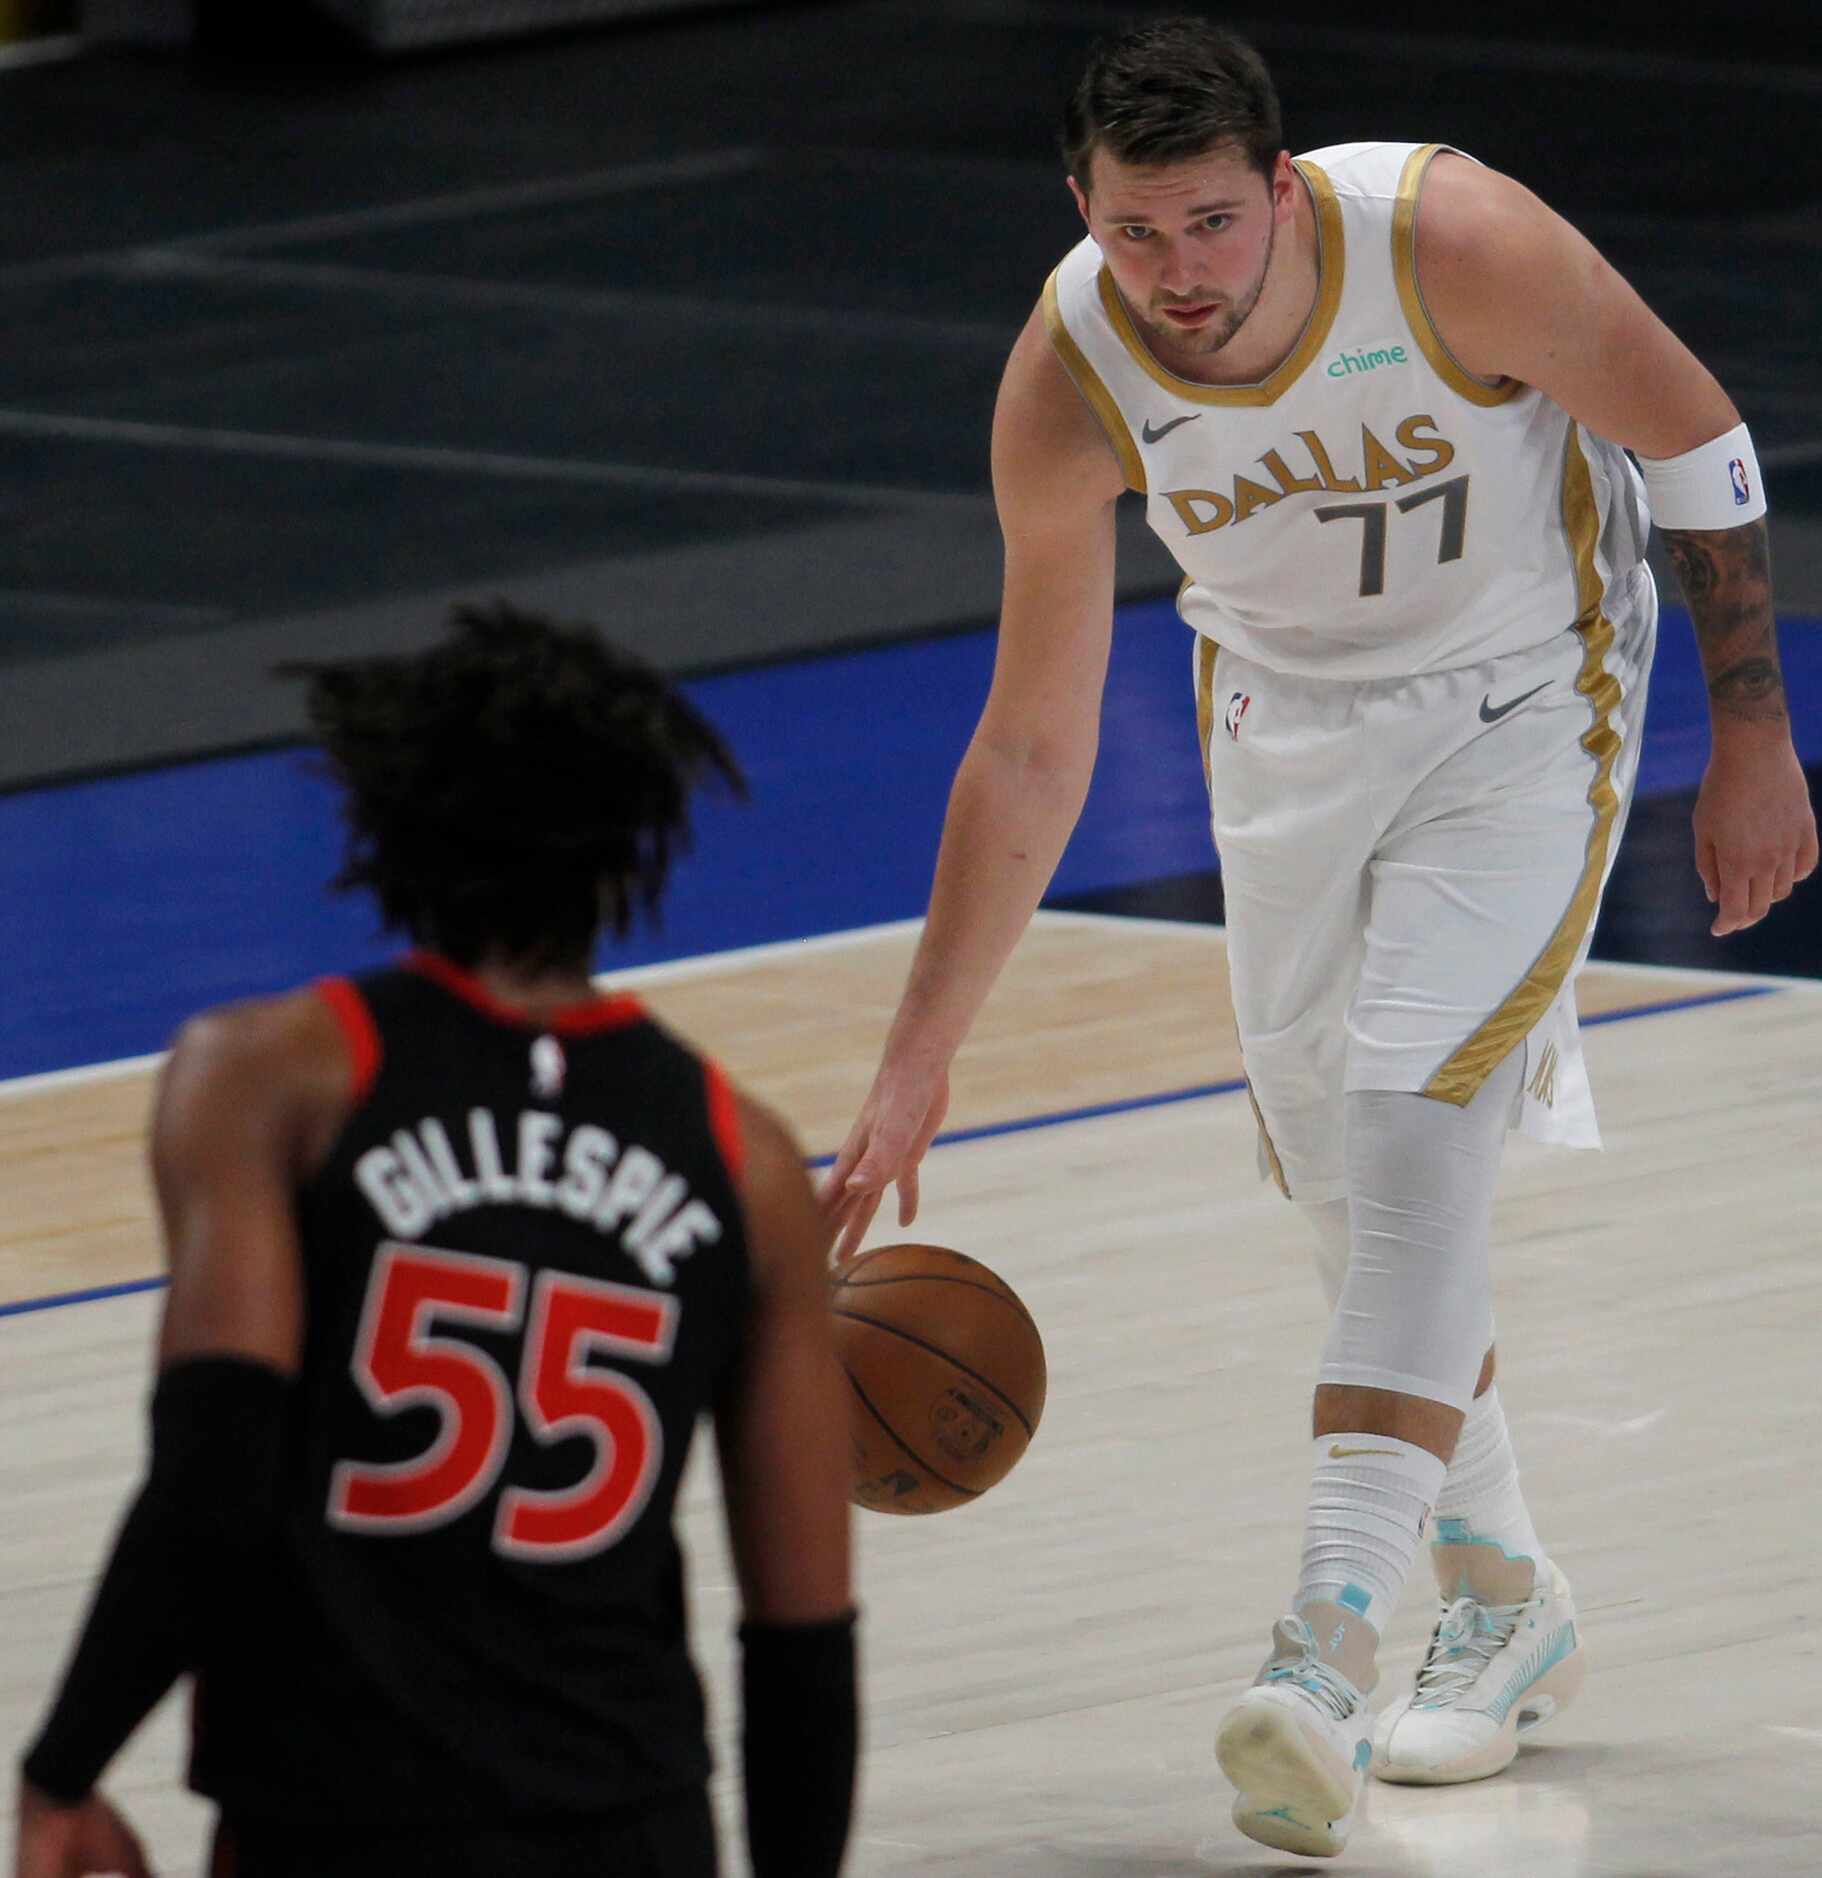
x,y
1416,1308
1328,1220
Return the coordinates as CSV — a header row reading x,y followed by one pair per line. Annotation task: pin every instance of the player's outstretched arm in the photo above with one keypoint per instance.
x,y
1024,777
1516,291
235,1114
781,1430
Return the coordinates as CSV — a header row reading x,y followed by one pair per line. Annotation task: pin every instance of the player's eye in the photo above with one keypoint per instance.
x,y
1215,223
1135,231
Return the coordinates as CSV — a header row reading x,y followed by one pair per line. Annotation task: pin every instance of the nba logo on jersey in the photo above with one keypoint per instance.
x,y
1236,709
547,1068
1742,490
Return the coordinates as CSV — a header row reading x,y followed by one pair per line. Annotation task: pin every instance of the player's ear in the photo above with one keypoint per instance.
x,y
1081,197
1284,186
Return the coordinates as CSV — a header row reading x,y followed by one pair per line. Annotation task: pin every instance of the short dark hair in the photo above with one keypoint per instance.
x,y
1171,89
513,788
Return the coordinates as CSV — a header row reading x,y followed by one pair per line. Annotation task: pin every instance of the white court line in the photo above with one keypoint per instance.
x,y
708,964
438,460
1790,455
73,1078
50,51
1620,967
698,167
54,603
770,317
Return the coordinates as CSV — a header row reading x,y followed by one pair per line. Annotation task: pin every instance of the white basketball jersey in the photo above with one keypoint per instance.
x,y
1371,510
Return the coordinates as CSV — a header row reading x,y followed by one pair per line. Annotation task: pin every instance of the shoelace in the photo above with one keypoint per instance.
x,y
1318,1679
1468,1637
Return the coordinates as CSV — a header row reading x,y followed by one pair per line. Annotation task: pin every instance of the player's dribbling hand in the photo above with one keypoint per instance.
x,y
1755,832
897,1123
74,1841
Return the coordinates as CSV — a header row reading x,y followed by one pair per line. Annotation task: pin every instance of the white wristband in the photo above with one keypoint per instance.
x,y
1715,485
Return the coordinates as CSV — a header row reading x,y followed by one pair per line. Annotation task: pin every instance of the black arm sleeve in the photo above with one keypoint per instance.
x,y
800,1740
209,1502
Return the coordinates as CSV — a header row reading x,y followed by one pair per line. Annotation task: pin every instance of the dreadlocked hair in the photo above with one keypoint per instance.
x,y
514,788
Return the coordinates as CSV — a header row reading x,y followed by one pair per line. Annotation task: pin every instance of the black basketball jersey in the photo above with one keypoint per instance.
x,y
526,1277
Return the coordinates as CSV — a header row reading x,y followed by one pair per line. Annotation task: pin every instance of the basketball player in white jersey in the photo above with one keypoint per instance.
x,y
1378,401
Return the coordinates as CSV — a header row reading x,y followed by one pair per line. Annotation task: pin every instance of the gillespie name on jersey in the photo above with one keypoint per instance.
x,y
622,1190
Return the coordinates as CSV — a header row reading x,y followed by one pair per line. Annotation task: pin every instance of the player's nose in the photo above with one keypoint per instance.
x,y
1177,274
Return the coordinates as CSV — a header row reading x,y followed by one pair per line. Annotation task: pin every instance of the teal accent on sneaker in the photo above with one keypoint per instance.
x,y
1279,1812
1362,1754
1458,1532
1354,1599
1539,1663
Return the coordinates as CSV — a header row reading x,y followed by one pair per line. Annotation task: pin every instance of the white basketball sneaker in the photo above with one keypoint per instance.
x,y
1296,1746
1493,1673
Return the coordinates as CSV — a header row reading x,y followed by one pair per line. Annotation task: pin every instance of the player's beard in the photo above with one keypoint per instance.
x,y
1200,341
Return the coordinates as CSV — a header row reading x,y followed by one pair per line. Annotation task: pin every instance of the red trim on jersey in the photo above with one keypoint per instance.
x,y
724,1119
586,1019
358,1029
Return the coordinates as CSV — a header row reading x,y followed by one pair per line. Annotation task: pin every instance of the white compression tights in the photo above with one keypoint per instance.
x,y
1414,1311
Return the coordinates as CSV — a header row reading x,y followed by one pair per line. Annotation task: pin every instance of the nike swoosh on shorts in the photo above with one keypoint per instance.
x,y
1493,715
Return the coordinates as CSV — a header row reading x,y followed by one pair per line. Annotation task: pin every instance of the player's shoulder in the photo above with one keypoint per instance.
x,y
256,1031
265,1056
1047,440
1468,209
1371,170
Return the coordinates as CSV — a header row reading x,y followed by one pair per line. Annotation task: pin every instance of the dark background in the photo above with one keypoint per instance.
x,y
693,325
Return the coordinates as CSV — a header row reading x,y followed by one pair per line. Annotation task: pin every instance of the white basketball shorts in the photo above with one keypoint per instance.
x,y
1412,869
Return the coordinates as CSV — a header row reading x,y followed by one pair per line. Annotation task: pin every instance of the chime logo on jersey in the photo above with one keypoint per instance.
x,y
1236,709
1742,489
548,1068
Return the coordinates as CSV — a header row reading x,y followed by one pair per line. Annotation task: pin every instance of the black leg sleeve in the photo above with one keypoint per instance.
x,y
800,1743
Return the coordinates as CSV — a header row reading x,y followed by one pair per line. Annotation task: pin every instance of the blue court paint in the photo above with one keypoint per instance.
x,y
1023,1124
58,1300
1732,995
1057,1117
127,904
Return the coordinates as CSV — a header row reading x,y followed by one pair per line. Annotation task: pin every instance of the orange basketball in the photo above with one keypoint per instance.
x,y
947,1376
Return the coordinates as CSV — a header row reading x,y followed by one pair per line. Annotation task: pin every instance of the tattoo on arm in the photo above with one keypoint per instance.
x,y
1726,578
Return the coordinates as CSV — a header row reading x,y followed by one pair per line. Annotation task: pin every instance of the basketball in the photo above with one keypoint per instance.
x,y
946,1376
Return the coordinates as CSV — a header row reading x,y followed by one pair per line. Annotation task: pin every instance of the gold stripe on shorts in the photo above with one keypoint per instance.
x,y
1206,654
1462,1075
1265,1141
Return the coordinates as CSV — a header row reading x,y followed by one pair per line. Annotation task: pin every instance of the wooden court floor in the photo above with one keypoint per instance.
x,y
1044,1670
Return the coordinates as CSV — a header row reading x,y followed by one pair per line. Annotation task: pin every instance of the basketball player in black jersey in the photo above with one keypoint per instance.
x,y
459,1252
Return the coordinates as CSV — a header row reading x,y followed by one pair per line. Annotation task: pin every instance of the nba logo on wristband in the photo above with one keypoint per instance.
x,y
1742,489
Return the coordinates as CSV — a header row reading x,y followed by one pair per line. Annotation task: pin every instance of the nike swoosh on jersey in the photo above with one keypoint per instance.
x,y
1163,430
1493,715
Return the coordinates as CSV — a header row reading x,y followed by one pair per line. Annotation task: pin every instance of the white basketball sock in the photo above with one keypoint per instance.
x,y
1479,1501
1369,1497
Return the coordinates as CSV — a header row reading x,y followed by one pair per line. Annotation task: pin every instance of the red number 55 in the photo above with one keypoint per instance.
x,y
400,1362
